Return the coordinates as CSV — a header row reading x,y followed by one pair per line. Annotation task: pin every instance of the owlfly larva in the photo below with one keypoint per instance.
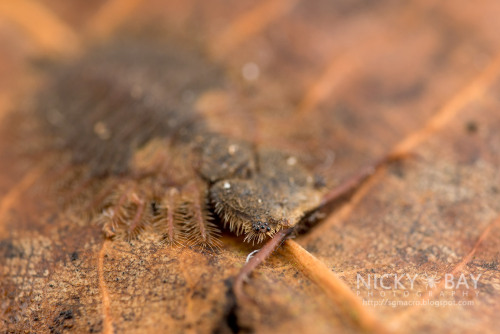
x,y
126,111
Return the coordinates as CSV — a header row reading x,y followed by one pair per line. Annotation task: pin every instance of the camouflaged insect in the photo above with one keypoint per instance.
x,y
126,111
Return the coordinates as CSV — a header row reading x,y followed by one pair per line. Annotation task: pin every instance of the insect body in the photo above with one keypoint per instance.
x,y
275,196
127,111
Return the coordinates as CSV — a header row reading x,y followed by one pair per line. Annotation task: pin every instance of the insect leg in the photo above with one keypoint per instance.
x,y
137,224
168,218
199,228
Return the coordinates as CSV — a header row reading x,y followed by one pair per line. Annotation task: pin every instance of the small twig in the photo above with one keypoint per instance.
x,y
336,289
260,257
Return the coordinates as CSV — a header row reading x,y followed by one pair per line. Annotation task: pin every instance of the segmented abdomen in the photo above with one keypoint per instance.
x,y
126,112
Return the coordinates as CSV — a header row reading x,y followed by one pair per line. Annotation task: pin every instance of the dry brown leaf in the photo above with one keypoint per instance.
x,y
339,83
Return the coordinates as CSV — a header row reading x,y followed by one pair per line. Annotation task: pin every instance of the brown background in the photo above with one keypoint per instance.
x,y
341,83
